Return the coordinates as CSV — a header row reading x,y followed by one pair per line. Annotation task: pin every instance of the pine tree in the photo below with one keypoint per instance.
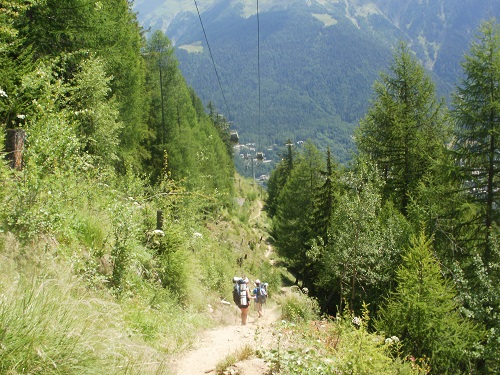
x,y
477,117
325,199
404,131
295,207
423,313
278,179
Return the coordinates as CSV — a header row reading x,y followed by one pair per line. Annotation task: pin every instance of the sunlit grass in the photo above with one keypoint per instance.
x,y
241,354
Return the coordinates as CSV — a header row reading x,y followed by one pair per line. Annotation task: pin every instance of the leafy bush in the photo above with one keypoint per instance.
x,y
335,346
297,307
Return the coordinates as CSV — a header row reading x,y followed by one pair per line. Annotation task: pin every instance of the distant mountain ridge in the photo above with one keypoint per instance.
x,y
318,58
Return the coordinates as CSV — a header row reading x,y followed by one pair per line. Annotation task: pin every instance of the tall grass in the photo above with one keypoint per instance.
x,y
241,354
49,325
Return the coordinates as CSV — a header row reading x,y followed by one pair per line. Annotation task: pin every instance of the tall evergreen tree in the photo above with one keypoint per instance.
x,y
325,199
278,179
295,207
161,67
404,131
476,113
477,117
423,313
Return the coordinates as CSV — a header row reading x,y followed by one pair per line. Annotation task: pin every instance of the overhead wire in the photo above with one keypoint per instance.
x,y
213,61
258,77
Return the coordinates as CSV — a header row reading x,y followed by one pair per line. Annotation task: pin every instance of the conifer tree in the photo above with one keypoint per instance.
x,y
404,131
477,117
325,199
476,234
358,262
423,313
295,207
278,178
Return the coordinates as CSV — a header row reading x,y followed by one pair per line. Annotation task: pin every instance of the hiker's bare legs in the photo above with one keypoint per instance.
x,y
258,308
244,316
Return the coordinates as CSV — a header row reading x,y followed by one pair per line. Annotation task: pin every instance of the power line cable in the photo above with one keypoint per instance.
x,y
213,62
258,73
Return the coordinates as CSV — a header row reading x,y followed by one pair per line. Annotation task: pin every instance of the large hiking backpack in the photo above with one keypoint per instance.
x,y
262,293
236,294
239,292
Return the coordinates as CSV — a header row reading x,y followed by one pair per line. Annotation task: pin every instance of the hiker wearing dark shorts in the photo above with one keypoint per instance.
x,y
244,307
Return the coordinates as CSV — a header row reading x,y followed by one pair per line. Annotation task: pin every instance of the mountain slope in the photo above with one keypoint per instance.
x,y
318,59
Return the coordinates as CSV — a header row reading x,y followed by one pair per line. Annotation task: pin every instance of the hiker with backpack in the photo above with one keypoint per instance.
x,y
242,297
260,295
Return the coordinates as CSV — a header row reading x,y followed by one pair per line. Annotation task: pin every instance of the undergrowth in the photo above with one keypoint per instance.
x,y
306,344
90,285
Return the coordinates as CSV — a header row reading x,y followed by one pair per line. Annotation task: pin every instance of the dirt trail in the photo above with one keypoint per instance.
x,y
216,344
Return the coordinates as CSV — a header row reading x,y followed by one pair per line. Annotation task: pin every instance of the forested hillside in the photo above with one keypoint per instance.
x,y
409,229
318,59
110,171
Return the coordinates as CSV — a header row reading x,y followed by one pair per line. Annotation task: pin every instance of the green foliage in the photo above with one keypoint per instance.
x,y
278,179
424,314
366,237
48,327
333,346
174,272
109,30
295,208
325,199
476,115
404,131
298,307
95,113
186,143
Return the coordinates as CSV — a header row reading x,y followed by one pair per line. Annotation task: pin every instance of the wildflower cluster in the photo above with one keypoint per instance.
x,y
392,340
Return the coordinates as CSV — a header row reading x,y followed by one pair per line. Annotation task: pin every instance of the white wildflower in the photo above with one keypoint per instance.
x,y
356,321
159,232
3,94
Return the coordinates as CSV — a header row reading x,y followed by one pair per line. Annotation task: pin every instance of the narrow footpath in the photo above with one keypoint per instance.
x,y
217,344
